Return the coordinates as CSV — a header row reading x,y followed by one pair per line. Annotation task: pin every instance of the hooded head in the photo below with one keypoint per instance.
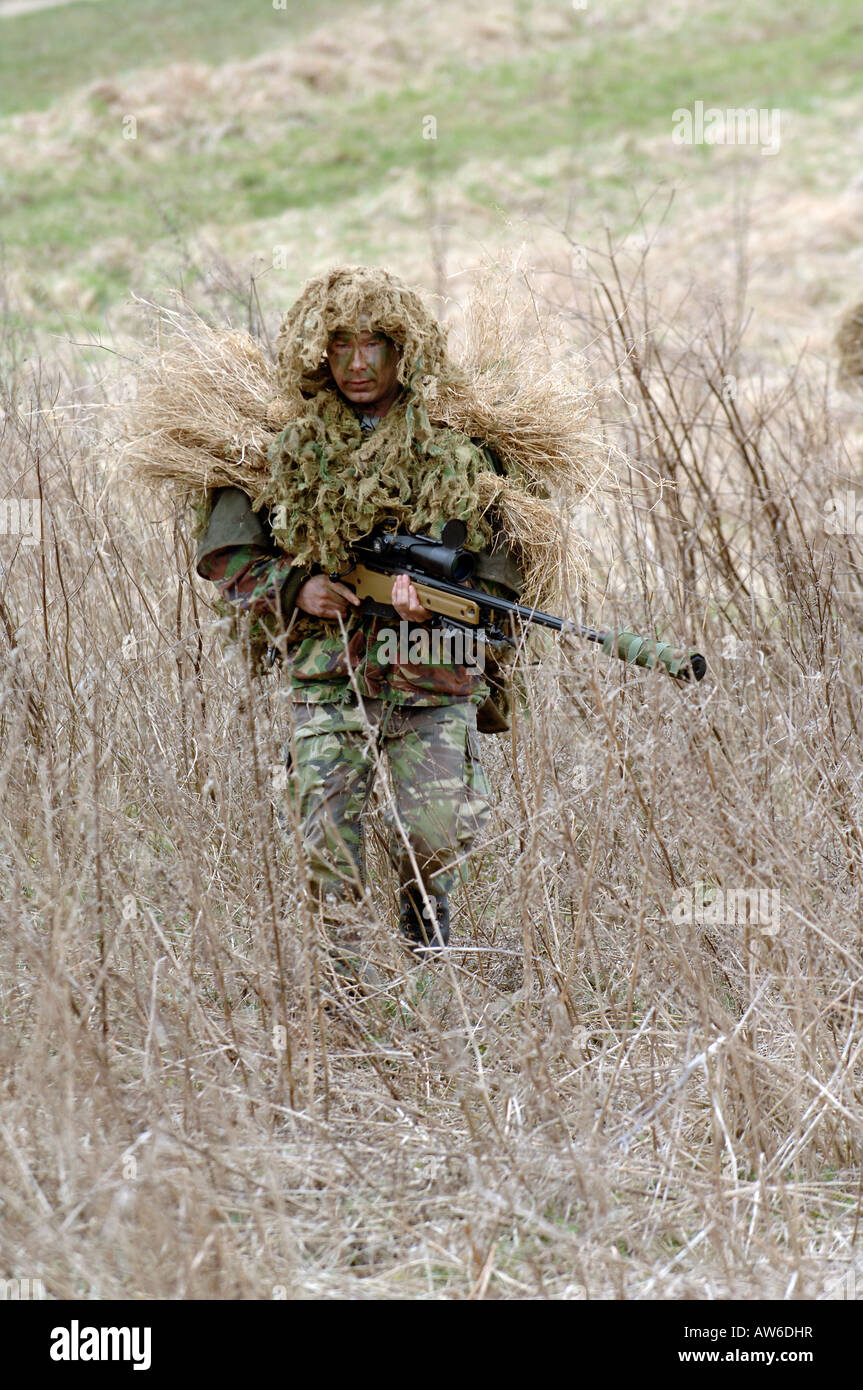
x,y
356,299
332,482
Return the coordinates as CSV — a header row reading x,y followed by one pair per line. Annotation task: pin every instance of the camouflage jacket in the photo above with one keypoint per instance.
x,y
237,553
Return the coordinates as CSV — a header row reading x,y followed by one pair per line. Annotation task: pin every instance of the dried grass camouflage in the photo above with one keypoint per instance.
x,y
211,404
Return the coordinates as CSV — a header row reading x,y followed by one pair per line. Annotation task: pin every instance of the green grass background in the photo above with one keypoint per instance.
x,y
547,116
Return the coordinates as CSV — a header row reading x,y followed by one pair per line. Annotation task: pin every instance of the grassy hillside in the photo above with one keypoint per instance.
x,y
57,50
539,110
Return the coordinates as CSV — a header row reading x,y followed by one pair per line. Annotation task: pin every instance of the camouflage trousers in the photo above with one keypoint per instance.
x,y
435,793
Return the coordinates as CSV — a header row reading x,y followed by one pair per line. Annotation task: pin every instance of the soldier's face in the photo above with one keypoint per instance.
x,y
365,367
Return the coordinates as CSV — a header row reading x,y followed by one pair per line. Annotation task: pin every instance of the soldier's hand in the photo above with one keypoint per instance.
x,y
325,598
405,601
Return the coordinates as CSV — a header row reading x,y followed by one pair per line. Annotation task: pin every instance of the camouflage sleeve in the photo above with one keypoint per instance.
x,y
253,579
237,553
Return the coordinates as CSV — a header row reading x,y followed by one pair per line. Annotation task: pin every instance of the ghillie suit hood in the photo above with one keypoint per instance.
x,y
213,410
330,484
354,298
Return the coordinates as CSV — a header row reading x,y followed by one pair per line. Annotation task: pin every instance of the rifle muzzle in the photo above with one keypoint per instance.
x,y
641,651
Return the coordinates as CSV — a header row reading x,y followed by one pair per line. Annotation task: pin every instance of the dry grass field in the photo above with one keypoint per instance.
x,y
639,1075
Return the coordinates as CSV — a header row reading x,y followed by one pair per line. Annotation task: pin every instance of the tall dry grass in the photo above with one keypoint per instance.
x,y
592,1098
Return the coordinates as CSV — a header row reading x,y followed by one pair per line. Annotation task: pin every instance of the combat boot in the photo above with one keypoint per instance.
x,y
424,938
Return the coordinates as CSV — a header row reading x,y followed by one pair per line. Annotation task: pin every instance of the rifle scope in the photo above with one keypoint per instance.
x,y
443,559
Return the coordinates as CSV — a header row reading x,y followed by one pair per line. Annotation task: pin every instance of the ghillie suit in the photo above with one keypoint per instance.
x,y
498,439
332,483
212,410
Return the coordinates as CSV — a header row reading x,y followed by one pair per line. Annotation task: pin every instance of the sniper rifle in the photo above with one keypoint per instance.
x,y
439,571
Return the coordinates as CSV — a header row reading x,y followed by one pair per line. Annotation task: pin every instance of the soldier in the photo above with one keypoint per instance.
x,y
359,360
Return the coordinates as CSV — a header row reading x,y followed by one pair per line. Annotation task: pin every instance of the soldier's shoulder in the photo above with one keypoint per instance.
x,y
232,522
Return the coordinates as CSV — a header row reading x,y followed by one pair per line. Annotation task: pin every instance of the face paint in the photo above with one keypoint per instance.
x,y
364,366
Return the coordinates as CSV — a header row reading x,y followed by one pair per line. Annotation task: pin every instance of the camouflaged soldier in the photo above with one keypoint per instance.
x,y
359,357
